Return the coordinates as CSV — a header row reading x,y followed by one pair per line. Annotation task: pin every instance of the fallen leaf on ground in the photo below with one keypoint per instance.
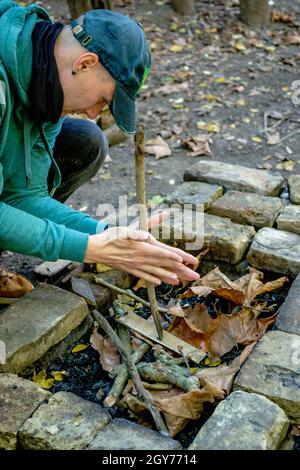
x,y
158,147
13,284
79,347
211,127
293,40
273,139
199,145
59,375
220,334
177,406
109,356
278,16
172,88
141,284
41,380
103,268
223,376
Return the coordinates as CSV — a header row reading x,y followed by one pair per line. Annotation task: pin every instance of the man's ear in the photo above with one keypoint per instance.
x,y
86,61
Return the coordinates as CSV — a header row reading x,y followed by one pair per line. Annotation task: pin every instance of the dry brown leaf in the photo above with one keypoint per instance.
x,y
223,376
13,285
279,16
293,40
158,147
219,335
141,284
172,88
189,405
109,356
199,145
273,139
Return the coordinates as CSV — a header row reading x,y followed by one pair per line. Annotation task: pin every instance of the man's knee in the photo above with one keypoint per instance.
x,y
80,143
97,141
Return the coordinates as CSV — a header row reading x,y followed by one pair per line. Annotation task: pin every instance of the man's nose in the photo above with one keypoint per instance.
x,y
94,111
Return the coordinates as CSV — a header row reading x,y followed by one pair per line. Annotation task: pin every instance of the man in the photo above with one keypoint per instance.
x,y
48,71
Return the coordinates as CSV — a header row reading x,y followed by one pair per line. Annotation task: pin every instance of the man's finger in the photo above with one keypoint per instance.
x,y
186,257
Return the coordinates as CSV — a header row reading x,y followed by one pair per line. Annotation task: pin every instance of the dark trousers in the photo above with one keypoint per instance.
x,y
80,149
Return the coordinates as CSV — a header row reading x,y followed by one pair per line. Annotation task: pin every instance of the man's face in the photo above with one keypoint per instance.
x,y
88,92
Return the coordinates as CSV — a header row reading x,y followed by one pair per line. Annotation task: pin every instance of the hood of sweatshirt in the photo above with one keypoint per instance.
x,y
16,27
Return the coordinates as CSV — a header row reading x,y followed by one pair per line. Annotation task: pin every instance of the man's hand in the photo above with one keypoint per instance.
x,y
139,253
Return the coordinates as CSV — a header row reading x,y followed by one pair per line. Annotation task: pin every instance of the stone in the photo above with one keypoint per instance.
x,y
244,421
236,177
61,348
288,318
36,322
226,240
289,219
66,422
19,398
51,270
273,370
275,250
199,194
103,295
294,187
247,208
121,434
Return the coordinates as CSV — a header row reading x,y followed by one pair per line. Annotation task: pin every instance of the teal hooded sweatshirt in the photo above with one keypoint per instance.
x,y
31,221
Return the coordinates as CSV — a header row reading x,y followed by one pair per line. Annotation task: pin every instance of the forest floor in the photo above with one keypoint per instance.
x,y
230,82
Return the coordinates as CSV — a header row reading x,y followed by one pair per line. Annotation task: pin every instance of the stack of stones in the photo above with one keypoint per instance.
x,y
247,215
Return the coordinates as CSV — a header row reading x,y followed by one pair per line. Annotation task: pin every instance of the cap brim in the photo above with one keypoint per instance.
x,y
123,110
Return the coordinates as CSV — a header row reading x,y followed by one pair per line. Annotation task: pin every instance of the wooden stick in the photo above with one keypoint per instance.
x,y
167,373
142,392
141,198
128,292
121,376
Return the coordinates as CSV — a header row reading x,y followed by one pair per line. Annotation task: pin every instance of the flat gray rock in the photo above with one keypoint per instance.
x,y
294,187
247,208
51,270
289,219
273,370
19,398
121,434
288,318
199,194
275,250
236,177
244,421
67,422
193,231
36,322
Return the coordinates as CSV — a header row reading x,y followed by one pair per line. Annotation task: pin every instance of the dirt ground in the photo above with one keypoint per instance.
x,y
257,78
233,76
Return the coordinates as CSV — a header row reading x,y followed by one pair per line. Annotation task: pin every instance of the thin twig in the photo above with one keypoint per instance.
x,y
121,376
143,393
141,198
128,292
288,136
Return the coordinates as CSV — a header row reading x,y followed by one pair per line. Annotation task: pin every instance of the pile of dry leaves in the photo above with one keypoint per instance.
x,y
215,315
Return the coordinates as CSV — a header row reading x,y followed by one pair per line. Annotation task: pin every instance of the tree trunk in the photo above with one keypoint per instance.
x,y
77,7
183,7
255,12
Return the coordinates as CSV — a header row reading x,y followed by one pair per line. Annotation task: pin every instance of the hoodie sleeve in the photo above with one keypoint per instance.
x,y
48,208
27,234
